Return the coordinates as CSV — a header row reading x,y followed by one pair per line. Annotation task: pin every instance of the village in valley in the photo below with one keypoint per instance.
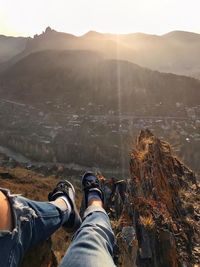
x,y
89,136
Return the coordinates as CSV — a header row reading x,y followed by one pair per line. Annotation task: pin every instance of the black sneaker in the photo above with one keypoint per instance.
x,y
65,188
91,183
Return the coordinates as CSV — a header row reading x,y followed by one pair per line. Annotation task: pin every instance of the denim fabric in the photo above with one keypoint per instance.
x,y
93,243
33,222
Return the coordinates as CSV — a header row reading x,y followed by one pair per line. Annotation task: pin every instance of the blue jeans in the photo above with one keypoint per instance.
x,y
93,243
35,221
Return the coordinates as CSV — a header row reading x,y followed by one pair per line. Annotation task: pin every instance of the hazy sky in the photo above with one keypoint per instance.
x,y
28,17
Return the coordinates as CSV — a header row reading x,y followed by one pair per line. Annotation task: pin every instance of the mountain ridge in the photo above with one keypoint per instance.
x,y
93,69
174,52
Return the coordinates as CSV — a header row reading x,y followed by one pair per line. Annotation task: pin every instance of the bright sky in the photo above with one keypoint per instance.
x,y
28,17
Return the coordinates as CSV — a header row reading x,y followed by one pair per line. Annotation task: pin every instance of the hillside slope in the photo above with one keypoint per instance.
x,y
11,46
175,52
76,77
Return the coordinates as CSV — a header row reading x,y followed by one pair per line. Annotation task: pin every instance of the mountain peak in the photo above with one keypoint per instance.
x,y
93,34
182,35
48,30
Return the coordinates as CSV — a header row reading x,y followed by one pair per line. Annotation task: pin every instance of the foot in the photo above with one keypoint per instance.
x,y
66,189
92,189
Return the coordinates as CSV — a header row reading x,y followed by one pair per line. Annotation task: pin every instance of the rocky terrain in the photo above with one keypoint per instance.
x,y
155,212
160,213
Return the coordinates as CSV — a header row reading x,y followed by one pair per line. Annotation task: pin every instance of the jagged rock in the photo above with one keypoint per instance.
x,y
48,29
128,242
161,204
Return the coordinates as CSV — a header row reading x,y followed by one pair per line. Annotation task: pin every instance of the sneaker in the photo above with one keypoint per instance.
x,y
65,188
91,183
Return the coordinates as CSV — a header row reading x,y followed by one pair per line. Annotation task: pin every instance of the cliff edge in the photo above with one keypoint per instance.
x,y
158,225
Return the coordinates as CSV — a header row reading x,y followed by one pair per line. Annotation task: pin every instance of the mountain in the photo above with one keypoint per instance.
x,y
78,107
80,77
175,52
50,39
11,46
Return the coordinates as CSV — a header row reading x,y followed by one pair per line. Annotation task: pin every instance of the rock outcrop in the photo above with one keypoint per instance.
x,y
159,222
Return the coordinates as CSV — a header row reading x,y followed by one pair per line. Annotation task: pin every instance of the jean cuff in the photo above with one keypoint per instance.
x,y
93,208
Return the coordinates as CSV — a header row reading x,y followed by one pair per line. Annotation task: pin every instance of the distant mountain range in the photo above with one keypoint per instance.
x,y
79,99
78,78
176,52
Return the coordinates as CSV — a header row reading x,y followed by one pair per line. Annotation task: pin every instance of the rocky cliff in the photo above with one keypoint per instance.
x,y
158,225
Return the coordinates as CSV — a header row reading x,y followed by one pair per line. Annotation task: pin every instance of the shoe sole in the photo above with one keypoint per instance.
x,y
73,229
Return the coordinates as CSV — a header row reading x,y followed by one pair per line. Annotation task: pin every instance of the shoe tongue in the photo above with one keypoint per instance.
x,y
91,178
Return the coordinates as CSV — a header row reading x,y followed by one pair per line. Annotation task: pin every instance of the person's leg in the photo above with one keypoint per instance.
x,y
33,222
6,222
93,243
